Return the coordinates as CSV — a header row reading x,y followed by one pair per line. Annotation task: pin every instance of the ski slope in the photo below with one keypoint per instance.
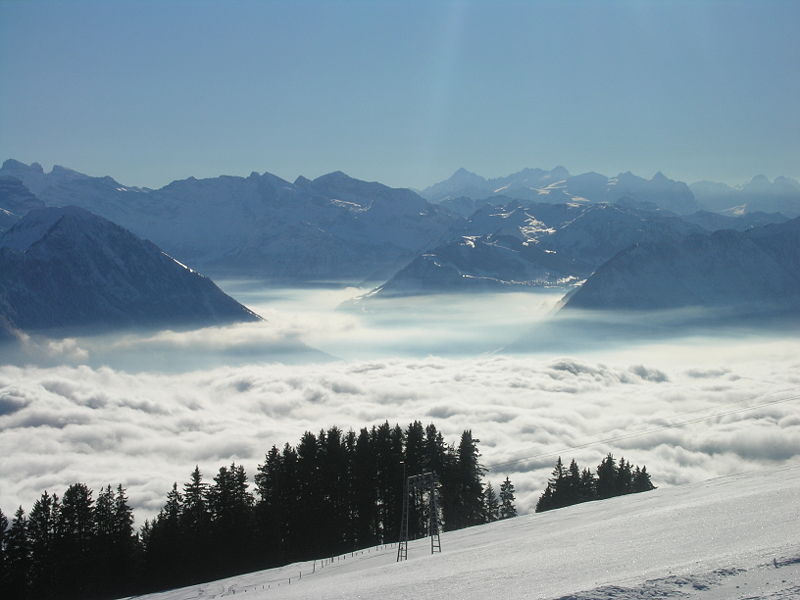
x,y
734,537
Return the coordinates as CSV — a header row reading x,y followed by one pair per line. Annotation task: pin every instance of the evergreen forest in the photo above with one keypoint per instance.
x,y
573,485
332,493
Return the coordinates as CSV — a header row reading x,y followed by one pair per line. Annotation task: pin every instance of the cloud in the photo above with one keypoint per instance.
x,y
145,430
143,409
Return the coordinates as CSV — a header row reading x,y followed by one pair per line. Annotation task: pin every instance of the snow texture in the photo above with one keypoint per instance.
x,y
734,537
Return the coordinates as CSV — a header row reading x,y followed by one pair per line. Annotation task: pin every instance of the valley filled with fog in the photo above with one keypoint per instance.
x,y
142,408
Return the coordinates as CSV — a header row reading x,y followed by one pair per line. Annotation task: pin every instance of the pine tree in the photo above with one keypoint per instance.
x,y
103,542
3,561
382,449
641,480
545,501
396,484
507,499
290,489
350,510
491,505
468,472
310,499
415,461
162,542
364,491
334,485
435,451
269,509
18,556
195,525
43,531
195,514
588,486
558,483
572,491
76,526
607,477
624,477
126,550
230,506
440,459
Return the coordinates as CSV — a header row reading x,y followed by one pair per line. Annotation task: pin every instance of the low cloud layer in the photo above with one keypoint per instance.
x,y
99,425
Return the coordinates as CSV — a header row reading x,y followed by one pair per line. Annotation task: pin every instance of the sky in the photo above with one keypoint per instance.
x,y
401,92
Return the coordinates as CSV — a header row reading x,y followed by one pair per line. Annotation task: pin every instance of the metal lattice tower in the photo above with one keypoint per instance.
x,y
425,483
402,543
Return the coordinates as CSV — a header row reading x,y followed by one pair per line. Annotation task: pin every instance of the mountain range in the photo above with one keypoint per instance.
x,y
334,227
756,271
67,268
758,195
515,246
534,228
558,186
16,201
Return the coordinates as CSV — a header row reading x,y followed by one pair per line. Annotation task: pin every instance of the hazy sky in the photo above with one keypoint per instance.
x,y
401,92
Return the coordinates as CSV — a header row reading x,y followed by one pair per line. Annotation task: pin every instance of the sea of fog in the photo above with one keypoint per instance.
x,y
143,408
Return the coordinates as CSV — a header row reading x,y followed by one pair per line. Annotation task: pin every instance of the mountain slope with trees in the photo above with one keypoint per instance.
x,y
332,493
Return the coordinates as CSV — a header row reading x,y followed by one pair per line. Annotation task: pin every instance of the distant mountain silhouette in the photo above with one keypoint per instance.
x,y
558,186
535,245
755,271
67,268
782,195
15,201
334,227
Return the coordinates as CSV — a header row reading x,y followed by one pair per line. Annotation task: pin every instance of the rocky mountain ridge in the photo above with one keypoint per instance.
x,y
67,268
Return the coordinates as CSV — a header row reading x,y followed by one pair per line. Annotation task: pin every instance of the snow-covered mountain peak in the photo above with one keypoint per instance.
x,y
66,267
34,227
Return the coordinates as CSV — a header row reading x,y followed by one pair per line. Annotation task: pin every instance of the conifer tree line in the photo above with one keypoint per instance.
x,y
573,485
332,493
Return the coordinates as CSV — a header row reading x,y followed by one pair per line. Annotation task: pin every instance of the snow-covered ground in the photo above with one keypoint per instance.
x,y
733,537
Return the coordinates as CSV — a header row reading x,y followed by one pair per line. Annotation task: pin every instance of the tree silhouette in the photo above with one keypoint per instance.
x,y
18,556
507,507
491,504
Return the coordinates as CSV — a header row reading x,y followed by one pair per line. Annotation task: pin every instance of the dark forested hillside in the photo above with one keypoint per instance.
x,y
334,492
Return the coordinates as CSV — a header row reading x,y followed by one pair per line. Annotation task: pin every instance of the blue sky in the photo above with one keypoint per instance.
x,y
401,92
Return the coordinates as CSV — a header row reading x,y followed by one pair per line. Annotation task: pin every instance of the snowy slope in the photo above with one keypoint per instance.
x,y
15,201
735,537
